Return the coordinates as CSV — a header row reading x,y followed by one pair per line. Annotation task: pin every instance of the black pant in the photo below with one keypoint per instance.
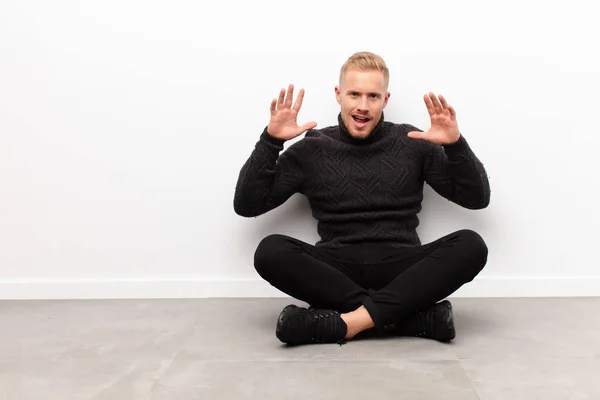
x,y
391,282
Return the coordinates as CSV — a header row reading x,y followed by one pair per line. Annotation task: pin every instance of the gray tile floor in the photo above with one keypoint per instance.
x,y
226,349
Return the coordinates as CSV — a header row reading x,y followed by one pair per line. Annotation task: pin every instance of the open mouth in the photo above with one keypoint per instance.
x,y
360,121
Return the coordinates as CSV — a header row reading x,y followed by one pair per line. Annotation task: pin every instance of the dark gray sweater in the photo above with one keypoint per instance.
x,y
360,190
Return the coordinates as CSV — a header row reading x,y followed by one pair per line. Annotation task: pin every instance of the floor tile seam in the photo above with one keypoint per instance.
x,y
188,336
329,360
473,386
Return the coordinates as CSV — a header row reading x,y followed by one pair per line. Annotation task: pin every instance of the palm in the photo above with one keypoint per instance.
x,y
444,128
283,124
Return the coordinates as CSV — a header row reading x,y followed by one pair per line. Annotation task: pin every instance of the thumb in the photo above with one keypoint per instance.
x,y
308,126
416,134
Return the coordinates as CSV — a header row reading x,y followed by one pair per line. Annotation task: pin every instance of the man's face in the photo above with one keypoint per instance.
x,y
363,96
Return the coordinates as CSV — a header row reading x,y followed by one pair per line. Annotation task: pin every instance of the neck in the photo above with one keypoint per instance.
x,y
372,137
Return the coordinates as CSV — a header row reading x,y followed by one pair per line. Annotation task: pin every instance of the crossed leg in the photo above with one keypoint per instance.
x,y
371,292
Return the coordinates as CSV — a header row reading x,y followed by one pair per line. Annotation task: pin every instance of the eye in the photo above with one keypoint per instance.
x,y
374,95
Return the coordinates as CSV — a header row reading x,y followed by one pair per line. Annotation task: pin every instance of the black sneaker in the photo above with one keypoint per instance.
x,y
296,325
435,323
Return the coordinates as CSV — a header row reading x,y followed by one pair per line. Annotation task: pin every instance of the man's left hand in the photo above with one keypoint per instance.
x,y
444,128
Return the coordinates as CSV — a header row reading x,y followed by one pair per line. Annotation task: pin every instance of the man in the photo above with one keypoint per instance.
x,y
364,181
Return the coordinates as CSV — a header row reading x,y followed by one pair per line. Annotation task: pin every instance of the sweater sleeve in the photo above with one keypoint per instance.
x,y
455,173
267,179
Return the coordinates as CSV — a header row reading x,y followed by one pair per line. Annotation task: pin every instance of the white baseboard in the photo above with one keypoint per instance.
x,y
131,289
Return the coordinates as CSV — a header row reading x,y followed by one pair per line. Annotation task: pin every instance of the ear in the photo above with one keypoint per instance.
x,y
385,100
338,95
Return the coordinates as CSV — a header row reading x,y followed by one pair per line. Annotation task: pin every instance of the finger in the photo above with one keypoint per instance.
x,y
299,100
308,126
281,98
273,103
416,135
436,103
429,105
452,111
290,96
444,102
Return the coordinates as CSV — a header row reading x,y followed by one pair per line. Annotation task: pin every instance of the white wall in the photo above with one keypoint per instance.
x,y
123,126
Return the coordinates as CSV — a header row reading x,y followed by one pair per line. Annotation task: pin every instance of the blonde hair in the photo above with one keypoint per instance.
x,y
365,61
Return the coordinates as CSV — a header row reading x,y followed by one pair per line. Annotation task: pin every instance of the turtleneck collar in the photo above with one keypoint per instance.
x,y
375,134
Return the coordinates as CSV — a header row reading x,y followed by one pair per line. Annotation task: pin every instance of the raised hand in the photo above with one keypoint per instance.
x,y
283,124
444,128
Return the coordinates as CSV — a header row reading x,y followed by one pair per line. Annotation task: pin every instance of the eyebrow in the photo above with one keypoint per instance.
x,y
356,91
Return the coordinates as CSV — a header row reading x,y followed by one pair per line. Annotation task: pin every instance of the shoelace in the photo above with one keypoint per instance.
x,y
423,321
326,327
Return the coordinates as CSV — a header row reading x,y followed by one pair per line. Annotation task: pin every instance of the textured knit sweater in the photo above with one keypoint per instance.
x,y
360,190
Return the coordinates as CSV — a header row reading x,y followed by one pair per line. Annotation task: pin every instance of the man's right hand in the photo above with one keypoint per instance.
x,y
283,123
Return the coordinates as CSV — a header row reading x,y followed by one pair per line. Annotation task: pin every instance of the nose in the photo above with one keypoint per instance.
x,y
362,105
